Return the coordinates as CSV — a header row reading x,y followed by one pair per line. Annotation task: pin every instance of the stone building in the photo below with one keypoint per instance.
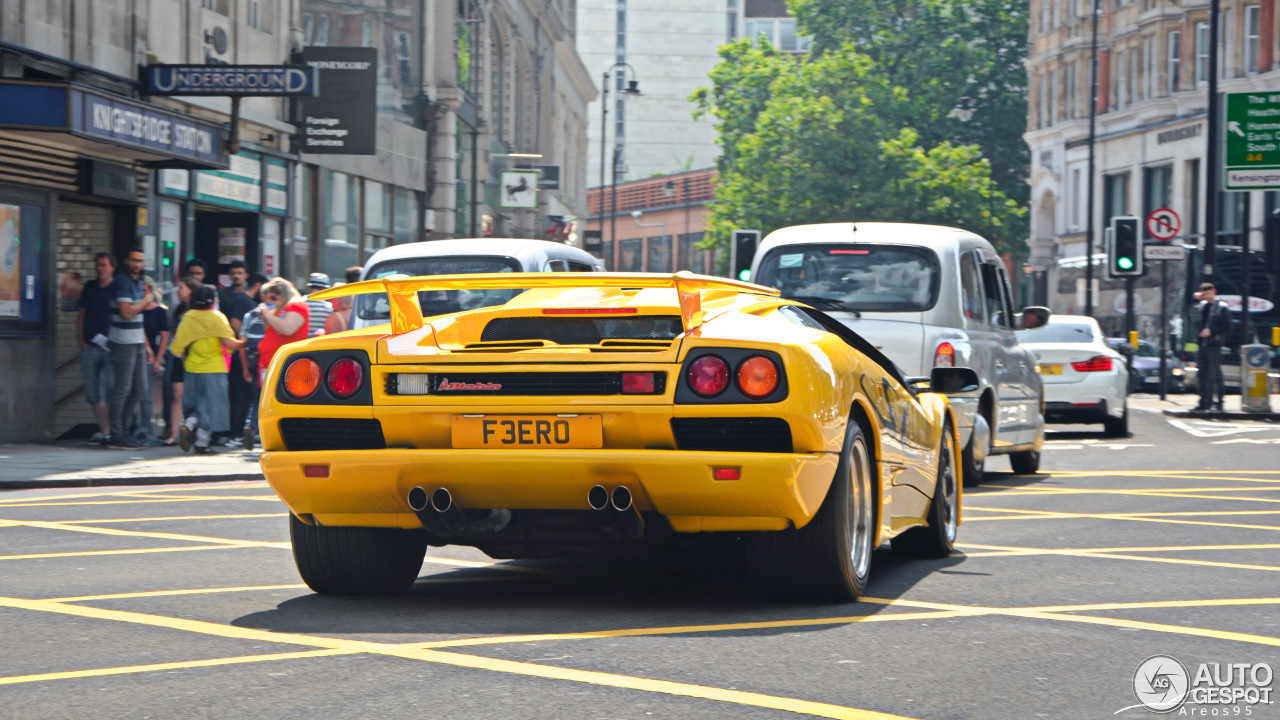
x,y
1151,139
90,163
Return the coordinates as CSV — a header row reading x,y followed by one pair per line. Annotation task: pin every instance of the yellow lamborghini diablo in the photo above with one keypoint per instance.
x,y
605,413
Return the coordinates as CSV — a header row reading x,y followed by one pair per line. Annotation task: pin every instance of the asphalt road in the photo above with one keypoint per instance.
x,y
183,602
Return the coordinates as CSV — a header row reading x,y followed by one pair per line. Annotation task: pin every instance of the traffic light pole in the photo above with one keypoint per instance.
x,y
1164,333
1129,317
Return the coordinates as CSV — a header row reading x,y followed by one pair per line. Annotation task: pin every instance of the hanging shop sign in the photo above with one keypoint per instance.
x,y
239,186
342,119
230,80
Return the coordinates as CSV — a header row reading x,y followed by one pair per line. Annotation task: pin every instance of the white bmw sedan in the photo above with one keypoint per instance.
x,y
1085,381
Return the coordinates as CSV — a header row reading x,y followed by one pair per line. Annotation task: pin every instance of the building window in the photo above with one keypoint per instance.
x,y
1157,188
1077,198
659,254
1175,59
629,259
1148,67
1070,100
308,28
1115,196
1224,43
731,29
1053,97
1044,15
322,31
1122,80
780,32
1251,19
1134,92
1044,102
404,60
690,256
1202,53
1193,198
1057,12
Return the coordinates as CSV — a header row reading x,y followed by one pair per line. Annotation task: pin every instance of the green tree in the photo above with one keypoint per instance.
x,y
822,139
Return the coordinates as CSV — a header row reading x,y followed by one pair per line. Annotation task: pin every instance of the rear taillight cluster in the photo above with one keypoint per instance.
x,y
756,376
944,356
343,379
1097,363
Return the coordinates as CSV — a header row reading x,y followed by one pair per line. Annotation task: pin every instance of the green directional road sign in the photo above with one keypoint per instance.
x,y
1252,157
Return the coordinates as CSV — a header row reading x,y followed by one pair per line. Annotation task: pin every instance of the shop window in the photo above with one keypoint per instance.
x,y
405,227
659,254
629,259
690,256
340,249
22,279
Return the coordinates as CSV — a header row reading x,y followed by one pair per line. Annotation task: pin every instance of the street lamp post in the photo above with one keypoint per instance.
x,y
1093,134
632,90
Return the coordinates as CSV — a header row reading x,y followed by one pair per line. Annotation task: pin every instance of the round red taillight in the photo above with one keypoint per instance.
x,y
708,376
757,377
345,377
302,377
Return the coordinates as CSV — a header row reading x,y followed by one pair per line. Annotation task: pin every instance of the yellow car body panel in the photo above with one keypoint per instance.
x,y
828,383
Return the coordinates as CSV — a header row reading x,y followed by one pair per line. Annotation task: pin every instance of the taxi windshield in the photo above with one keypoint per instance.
x,y
856,277
374,306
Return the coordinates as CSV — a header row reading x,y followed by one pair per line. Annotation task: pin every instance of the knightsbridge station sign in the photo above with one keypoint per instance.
x,y
230,80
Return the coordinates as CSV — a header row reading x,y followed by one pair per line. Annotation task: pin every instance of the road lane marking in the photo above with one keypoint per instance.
x,y
1151,627
1166,548
1046,515
1211,429
1154,605
666,687
130,551
1016,551
181,665
177,487
246,516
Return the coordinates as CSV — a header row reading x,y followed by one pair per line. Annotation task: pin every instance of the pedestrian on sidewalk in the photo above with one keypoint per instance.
x,y
200,338
1214,320
155,324
252,328
175,375
93,328
235,304
320,310
129,353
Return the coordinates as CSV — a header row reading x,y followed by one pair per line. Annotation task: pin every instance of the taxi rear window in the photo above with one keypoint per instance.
x,y
860,277
374,306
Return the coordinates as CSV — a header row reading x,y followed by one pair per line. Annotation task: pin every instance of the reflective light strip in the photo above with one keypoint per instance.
x,y
412,384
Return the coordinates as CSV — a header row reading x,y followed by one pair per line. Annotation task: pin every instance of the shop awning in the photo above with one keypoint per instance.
x,y
86,117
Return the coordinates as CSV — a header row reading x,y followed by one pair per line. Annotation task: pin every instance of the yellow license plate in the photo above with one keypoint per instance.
x,y
527,431
1050,369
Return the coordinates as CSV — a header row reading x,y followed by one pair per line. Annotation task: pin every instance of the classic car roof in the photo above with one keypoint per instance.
x,y
406,312
498,247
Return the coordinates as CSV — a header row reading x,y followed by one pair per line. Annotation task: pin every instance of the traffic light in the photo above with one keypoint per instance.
x,y
1124,254
742,250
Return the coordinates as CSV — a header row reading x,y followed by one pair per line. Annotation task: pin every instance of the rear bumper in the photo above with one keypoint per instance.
x,y
370,487
1068,413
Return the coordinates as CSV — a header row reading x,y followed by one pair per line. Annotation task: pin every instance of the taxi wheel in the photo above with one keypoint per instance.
x,y
938,538
355,560
1026,462
830,558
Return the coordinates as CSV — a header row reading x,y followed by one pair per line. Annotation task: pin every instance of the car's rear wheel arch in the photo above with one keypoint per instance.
x,y
861,416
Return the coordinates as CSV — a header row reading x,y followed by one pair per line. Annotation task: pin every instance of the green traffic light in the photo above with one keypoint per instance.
x,y
1125,263
744,275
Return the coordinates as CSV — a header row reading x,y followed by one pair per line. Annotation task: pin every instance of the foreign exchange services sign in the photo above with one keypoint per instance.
x,y
1252,157
230,80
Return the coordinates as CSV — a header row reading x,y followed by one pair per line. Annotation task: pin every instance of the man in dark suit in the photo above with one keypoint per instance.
x,y
1214,318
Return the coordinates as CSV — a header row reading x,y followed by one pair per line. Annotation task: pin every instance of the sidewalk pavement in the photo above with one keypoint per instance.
x,y
75,464
1183,406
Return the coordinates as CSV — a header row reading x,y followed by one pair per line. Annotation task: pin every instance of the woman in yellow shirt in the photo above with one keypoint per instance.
x,y
201,336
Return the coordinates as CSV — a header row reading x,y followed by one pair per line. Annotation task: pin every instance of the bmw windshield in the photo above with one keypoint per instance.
x,y
854,277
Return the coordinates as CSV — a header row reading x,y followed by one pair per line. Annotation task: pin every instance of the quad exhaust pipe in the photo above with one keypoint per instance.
x,y
440,515
617,511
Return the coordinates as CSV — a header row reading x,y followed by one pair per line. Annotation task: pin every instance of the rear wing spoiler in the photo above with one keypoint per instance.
x,y
406,313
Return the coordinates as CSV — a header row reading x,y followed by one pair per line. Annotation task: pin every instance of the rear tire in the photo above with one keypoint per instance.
x,y
1117,427
356,560
973,469
938,538
830,558
1026,462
